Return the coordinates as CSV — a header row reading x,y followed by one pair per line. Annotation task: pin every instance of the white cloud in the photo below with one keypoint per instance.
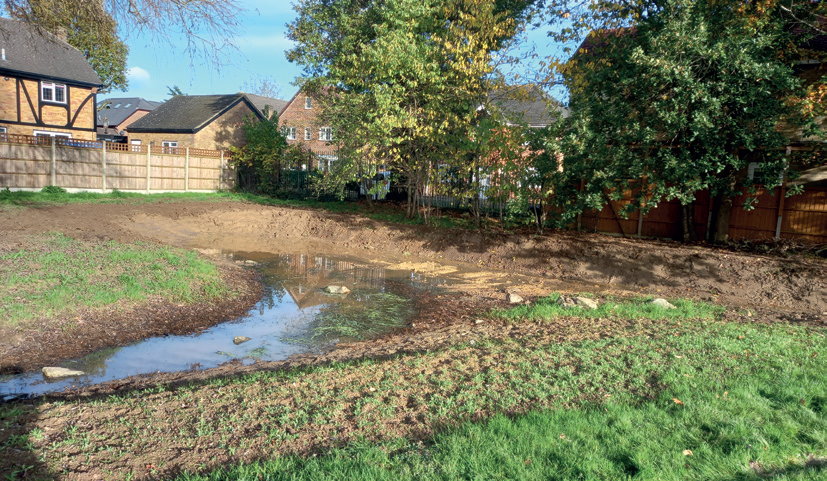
x,y
137,75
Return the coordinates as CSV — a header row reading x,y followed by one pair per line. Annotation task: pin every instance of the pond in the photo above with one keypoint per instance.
x,y
294,316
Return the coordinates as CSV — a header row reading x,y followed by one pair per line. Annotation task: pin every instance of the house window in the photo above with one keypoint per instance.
x,y
135,145
290,133
307,134
3,132
326,133
169,146
308,103
44,134
52,92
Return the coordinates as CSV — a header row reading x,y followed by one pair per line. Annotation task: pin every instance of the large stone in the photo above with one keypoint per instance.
x,y
585,302
660,302
336,290
240,339
514,298
581,302
59,372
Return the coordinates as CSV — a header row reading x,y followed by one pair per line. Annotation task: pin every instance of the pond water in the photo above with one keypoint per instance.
x,y
294,316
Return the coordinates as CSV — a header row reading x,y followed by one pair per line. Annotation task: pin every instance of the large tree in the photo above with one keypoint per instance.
x,y
682,103
401,80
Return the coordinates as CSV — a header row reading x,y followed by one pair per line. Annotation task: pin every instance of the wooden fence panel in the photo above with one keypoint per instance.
x,y
26,163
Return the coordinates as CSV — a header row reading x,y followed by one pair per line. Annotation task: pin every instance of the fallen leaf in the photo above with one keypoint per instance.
x,y
562,435
802,402
677,401
527,462
687,452
725,394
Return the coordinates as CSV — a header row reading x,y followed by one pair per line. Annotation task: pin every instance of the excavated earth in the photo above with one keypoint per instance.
x,y
484,267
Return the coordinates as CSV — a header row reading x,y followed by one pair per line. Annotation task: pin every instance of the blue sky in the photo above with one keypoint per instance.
x,y
261,44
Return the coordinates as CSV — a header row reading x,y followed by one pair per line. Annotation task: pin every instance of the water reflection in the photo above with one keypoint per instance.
x,y
294,316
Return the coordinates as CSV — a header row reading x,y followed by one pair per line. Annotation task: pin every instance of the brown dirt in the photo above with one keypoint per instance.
x,y
484,264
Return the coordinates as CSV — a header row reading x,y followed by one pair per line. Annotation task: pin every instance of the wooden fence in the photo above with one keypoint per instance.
x,y
801,217
31,163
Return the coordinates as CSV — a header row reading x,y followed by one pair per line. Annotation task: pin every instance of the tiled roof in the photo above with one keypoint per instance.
x,y
116,110
275,105
189,113
528,104
42,56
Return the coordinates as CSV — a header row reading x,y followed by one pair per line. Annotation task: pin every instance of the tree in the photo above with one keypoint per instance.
x,y
410,75
174,91
259,161
679,104
264,85
207,26
90,29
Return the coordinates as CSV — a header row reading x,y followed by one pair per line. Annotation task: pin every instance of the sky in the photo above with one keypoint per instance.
x,y
153,67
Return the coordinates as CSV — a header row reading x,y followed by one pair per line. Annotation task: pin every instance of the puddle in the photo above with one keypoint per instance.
x,y
294,316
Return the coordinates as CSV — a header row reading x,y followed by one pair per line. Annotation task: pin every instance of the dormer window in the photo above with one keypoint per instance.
x,y
308,103
52,92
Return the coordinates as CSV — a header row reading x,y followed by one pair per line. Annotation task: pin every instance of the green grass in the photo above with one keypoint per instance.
x,y
55,274
640,308
752,400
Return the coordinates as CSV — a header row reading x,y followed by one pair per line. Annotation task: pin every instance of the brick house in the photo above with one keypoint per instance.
x,y
115,115
47,88
300,122
210,122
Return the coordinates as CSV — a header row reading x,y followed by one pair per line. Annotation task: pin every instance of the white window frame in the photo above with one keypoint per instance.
x,y
169,143
47,133
290,133
53,88
308,103
3,132
326,134
308,134
135,145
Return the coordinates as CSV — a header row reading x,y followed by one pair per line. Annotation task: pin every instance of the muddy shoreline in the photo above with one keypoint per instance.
x,y
755,288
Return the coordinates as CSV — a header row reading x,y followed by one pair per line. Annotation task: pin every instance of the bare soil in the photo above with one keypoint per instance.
x,y
484,265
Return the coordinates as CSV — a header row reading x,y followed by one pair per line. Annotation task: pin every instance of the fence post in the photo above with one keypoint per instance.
x,y
221,173
54,161
103,166
187,172
148,158
781,197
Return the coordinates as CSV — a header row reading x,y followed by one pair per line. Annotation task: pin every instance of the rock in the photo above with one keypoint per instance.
x,y
209,252
336,290
59,372
585,302
240,339
514,299
566,302
250,263
582,302
478,321
660,302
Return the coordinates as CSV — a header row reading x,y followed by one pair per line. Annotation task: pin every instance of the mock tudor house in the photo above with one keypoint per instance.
x,y
300,122
47,88
210,122
115,115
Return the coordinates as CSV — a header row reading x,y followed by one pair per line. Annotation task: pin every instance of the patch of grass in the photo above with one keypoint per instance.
x,y
723,413
547,308
55,275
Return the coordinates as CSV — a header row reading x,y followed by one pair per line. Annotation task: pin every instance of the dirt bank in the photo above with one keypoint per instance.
x,y
483,265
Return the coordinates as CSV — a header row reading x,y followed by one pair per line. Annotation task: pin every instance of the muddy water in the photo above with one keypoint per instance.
x,y
294,316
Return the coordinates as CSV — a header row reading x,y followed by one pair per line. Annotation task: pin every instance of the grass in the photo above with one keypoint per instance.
x,y
547,308
610,399
55,275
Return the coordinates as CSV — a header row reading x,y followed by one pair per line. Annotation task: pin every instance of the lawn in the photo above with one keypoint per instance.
x,y
628,394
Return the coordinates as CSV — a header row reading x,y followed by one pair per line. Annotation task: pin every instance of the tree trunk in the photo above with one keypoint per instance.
x,y
721,213
688,232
